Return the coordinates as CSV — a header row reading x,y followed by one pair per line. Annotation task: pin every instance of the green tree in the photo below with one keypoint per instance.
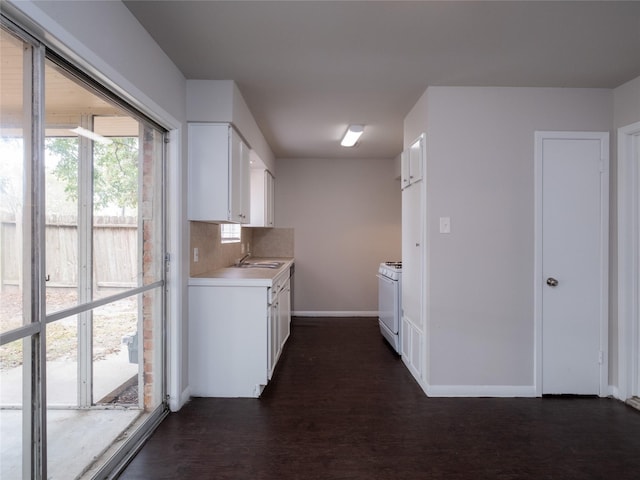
x,y
115,170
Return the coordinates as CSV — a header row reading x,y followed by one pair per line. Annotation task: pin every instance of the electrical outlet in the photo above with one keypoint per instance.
x,y
196,255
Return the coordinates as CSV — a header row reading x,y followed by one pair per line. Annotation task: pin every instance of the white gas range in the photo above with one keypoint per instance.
x,y
389,301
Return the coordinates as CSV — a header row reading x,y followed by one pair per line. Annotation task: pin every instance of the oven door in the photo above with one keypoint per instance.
x,y
388,303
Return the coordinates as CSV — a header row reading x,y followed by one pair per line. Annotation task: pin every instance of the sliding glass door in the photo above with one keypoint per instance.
x,y
82,268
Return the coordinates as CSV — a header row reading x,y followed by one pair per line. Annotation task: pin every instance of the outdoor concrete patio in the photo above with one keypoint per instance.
x,y
76,437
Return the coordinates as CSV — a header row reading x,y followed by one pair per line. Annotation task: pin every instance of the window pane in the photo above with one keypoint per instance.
x,y
11,373
12,180
93,178
127,352
103,191
61,222
230,233
116,351
63,152
62,363
77,434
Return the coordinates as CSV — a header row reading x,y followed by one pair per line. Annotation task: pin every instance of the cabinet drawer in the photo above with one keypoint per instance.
x,y
278,283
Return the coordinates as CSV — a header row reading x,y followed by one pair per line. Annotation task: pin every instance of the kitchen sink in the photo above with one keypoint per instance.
x,y
260,265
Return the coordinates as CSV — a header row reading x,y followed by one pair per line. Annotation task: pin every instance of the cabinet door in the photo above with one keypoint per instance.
x,y
416,157
245,183
270,183
235,179
274,345
405,338
284,313
228,341
412,253
208,171
262,190
257,198
412,350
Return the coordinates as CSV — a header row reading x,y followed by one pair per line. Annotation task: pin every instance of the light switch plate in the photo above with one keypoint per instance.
x,y
196,255
445,224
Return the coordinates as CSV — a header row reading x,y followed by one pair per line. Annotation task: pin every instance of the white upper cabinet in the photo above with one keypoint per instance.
x,y
239,182
218,174
412,161
262,198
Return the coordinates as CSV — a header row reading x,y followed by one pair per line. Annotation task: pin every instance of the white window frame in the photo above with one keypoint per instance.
x,y
230,233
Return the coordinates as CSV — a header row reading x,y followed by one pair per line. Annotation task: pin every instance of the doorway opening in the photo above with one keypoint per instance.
x,y
629,263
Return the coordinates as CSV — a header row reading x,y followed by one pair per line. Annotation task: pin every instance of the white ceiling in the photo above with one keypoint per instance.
x,y
309,68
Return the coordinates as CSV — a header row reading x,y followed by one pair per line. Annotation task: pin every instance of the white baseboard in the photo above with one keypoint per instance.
x,y
308,313
177,404
480,390
615,393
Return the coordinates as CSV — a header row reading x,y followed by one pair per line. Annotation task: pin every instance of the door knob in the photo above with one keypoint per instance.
x,y
552,282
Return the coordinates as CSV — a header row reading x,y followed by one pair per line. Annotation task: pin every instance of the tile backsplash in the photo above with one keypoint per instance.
x,y
272,242
213,254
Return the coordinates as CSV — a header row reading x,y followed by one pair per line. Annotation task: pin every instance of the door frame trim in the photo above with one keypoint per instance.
x,y
540,136
628,260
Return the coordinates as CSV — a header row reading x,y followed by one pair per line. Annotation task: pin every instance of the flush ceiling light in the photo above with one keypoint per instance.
x,y
352,135
90,135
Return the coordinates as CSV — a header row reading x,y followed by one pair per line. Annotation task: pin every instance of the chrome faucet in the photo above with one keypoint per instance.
x,y
241,261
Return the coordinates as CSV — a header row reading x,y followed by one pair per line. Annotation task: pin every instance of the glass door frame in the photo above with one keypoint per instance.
x,y
33,331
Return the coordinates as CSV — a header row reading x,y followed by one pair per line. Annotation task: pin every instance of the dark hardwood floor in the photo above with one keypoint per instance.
x,y
342,406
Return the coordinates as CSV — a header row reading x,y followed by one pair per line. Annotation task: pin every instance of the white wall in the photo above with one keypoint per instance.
x,y
347,218
221,101
105,38
480,172
626,103
416,121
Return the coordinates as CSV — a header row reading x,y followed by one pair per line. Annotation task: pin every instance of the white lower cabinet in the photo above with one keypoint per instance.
x,y
236,335
279,320
412,349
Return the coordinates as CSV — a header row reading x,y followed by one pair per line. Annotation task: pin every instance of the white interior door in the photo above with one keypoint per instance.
x,y
572,280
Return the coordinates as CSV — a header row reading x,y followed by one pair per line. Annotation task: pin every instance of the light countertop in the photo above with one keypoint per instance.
x,y
247,277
